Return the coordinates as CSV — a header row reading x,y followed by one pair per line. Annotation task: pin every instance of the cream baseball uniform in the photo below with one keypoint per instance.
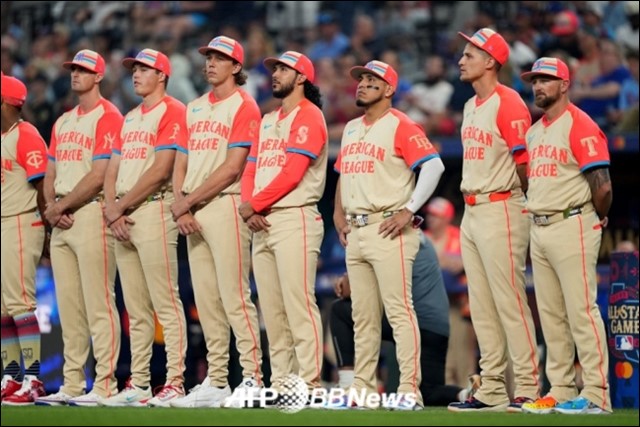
x,y
24,159
219,255
82,257
285,257
376,165
494,237
565,242
148,262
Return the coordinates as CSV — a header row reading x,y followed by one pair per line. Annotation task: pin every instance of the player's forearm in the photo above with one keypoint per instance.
x,y
430,173
39,185
179,173
247,183
110,176
220,179
601,190
289,177
150,182
339,220
48,190
521,170
86,188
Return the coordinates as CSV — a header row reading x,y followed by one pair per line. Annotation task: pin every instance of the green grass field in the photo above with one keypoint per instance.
x,y
63,416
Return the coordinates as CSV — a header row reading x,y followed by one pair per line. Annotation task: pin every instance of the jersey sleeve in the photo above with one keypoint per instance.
x,y
244,131
308,133
172,130
107,132
32,153
412,144
588,143
513,121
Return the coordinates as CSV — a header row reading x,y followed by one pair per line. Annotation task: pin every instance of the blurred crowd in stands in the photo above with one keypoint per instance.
x,y
598,38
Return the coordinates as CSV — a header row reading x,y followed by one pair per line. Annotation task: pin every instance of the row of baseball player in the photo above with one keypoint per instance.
x,y
118,190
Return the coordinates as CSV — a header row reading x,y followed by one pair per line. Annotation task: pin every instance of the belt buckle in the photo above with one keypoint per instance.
x,y
541,219
361,220
571,212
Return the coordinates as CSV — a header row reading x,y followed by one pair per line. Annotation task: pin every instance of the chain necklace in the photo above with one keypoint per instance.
x,y
13,126
369,127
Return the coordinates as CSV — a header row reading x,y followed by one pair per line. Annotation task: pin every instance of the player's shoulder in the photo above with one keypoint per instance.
x,y
400,116
247,101
505,93
580,119
110,108
173,105
27,130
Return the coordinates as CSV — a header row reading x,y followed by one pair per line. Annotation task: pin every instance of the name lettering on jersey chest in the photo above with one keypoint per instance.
x,y
210,126
476,134
68,155
139,136
137,153
206,144
276,157
7,165
545,159
73,137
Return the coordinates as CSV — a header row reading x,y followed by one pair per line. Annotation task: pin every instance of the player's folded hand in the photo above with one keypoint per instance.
x,y
187,224
393,225
120,228
258,223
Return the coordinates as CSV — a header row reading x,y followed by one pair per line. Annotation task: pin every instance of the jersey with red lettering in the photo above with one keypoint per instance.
x,y
561,151
214,126
381,155
79,138
493,133
145,131
24,159
302,131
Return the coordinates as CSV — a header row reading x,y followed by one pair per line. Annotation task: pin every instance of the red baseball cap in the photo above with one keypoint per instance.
x,y
491,42
151,58
14,92
551,67
441,207
226,46
89,60
295,60
378,69
565,23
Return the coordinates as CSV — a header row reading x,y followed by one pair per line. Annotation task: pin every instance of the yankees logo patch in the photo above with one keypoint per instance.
x,y
109,138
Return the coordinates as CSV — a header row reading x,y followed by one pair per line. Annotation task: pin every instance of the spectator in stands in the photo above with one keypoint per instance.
x,y
627,34
626,115
332,42
601,96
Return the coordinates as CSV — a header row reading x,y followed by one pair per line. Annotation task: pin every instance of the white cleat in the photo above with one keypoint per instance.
x,y
202,396
132,395
56,399
89,400
164,397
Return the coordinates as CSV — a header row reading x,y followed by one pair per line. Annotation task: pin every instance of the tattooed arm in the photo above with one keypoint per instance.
x,y
601,193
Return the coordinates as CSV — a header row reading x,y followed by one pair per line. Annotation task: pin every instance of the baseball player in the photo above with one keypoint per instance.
x,y
431,306
24,162
137,199
569,197
281,185
82,257
376,198
495,228
222,125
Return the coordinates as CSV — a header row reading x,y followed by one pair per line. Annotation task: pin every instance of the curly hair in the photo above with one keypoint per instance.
x,y
312,93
